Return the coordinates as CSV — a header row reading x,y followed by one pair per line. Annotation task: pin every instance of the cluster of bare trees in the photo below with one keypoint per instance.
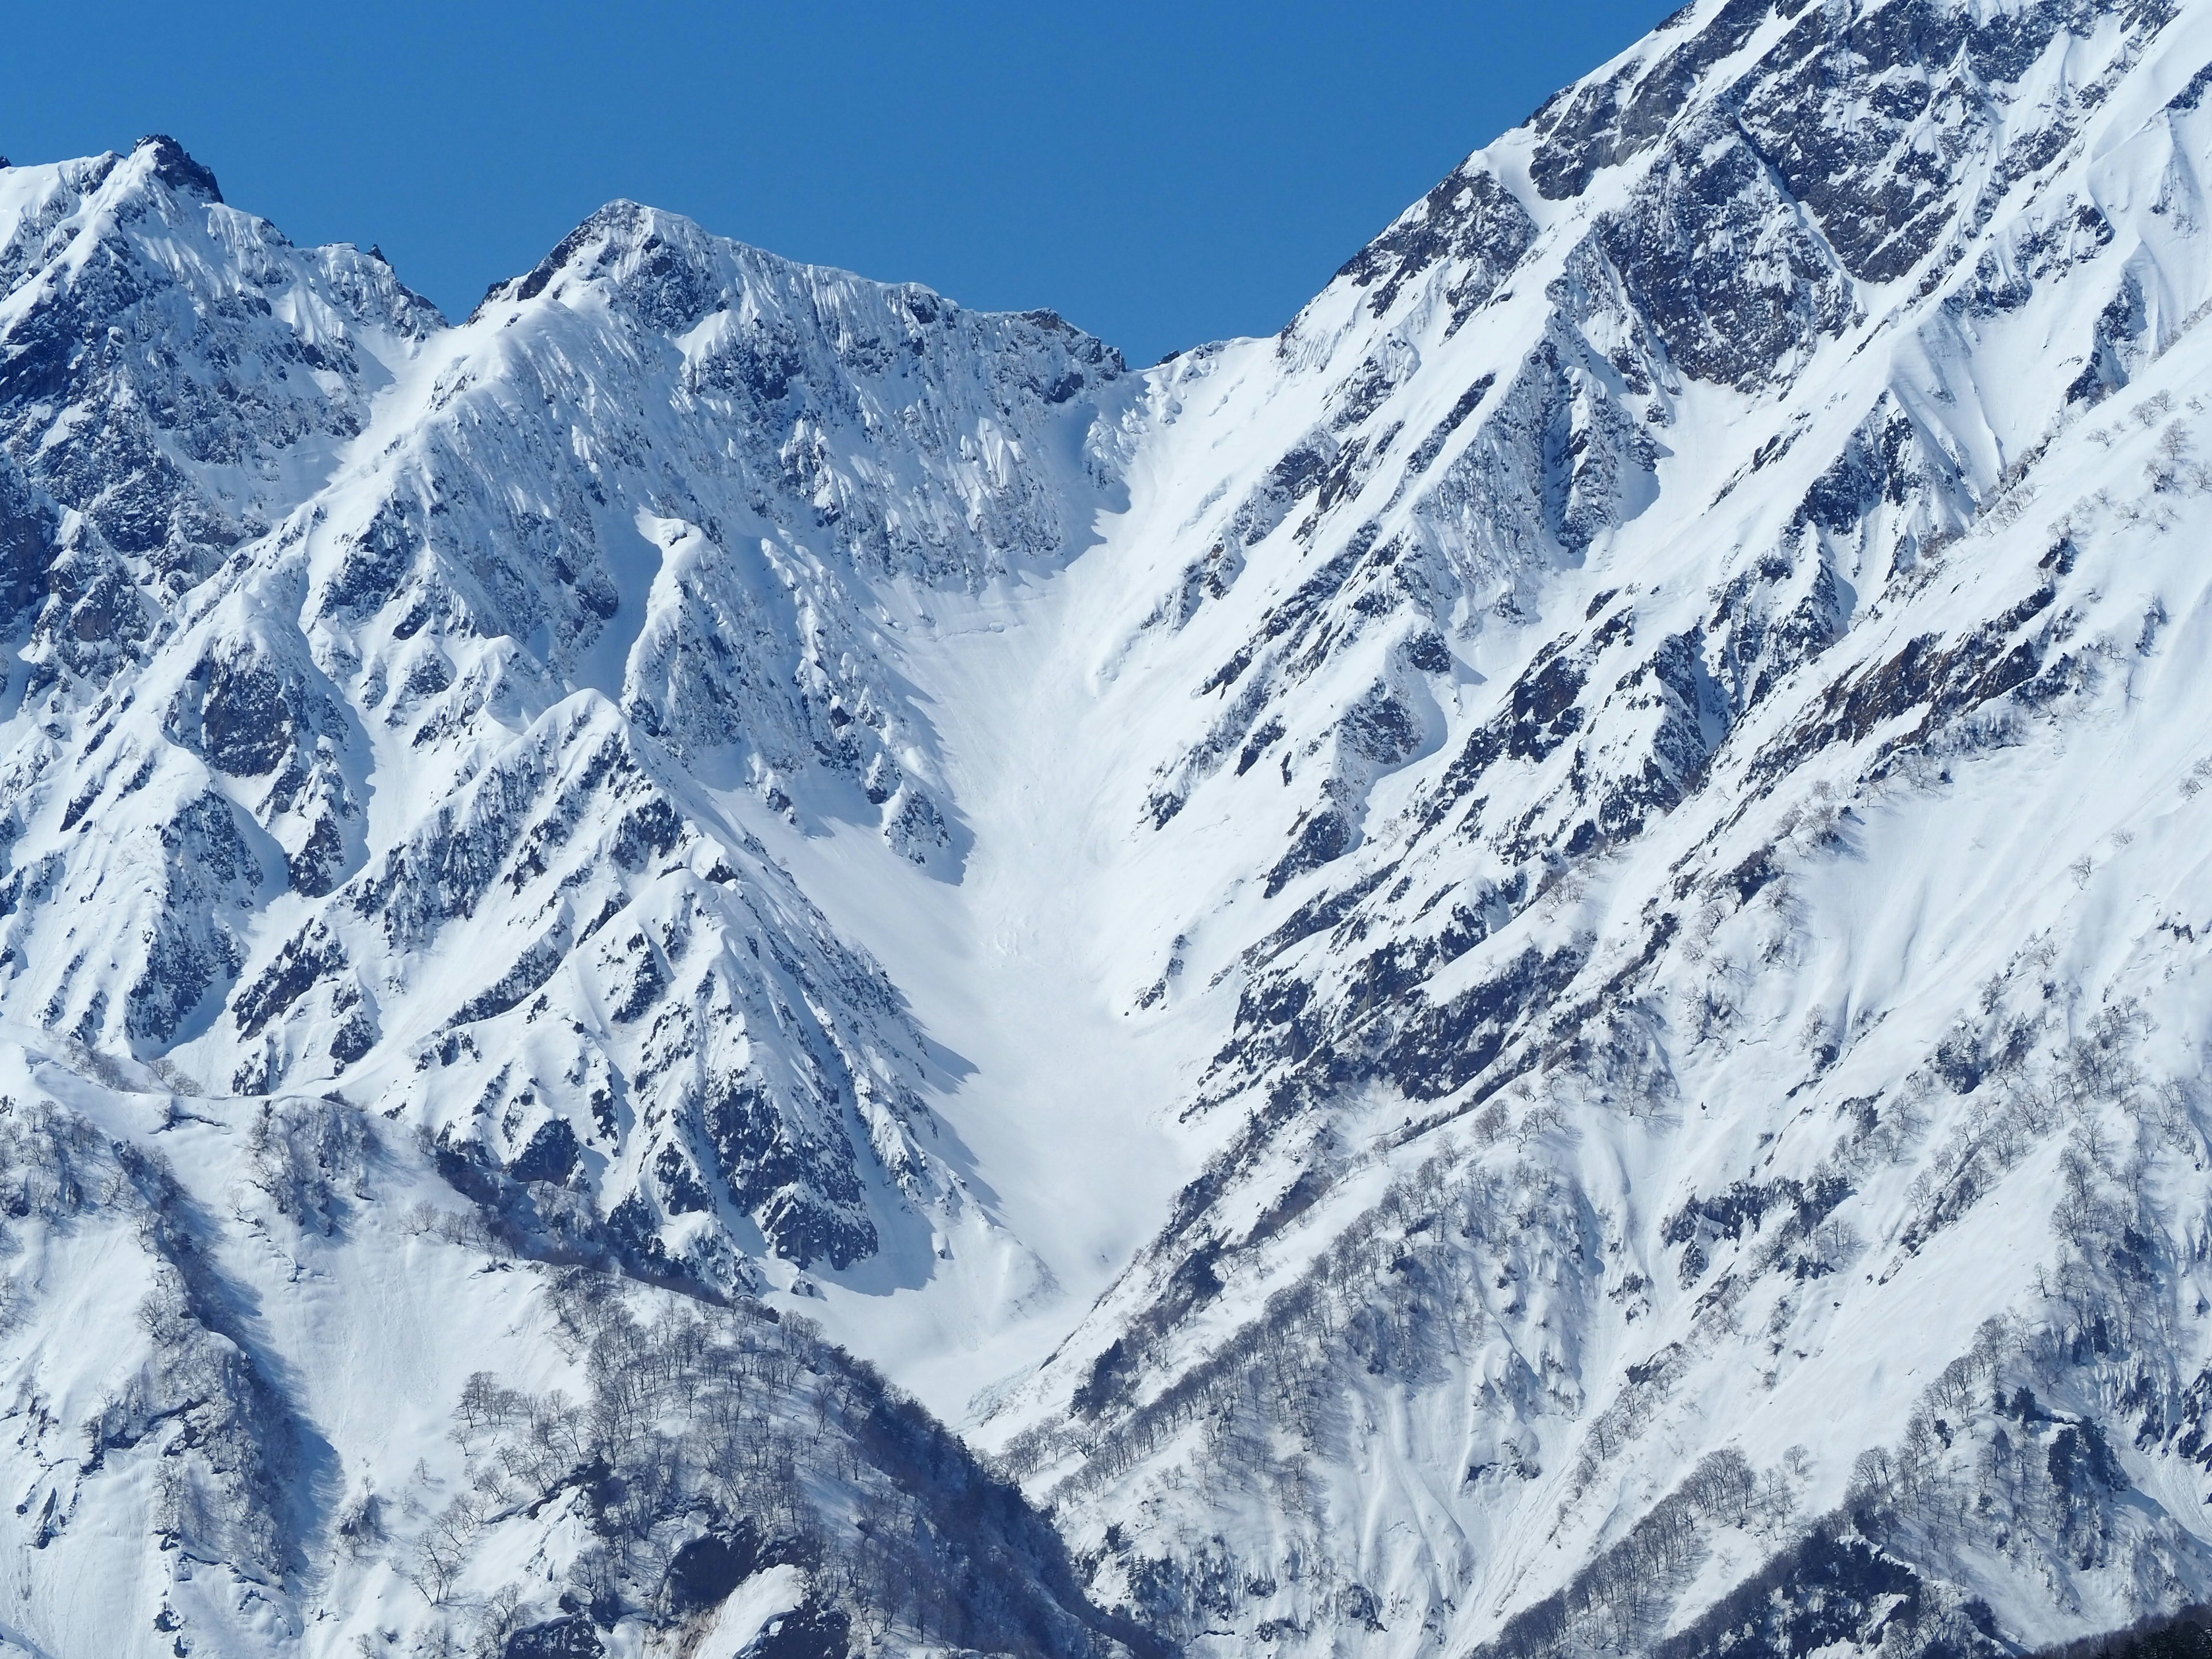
x,y
2014,1447
311,1158
53,1164
1455,1255
227,1439
1447,1253
712,1421
1620,1602
1987,1462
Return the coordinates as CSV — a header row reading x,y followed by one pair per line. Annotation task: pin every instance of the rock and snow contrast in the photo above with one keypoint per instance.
x,y
734,962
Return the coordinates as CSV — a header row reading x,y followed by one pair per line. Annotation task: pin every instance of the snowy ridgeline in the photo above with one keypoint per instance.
x,y
1520,972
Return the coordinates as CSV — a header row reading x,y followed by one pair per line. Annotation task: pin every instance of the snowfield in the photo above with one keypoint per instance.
x,y
729,962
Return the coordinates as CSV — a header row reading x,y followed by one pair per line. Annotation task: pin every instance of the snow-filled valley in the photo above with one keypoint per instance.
x,y
730,962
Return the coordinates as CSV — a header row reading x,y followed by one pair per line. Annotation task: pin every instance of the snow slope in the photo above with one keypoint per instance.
x,y
334,1413
1513,972
1650,949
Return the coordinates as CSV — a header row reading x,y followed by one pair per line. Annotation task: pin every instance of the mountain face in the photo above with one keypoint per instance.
x,y
1516,974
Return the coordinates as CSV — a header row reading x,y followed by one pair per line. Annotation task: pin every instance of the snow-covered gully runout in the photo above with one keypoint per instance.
x,y
729,961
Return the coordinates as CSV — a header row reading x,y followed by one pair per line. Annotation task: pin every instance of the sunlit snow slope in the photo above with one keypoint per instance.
x,y
1517,972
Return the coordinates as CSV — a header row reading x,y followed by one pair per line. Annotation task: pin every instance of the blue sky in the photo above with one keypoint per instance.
x,y
1160,173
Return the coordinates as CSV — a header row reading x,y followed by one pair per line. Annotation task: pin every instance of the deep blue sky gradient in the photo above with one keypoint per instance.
x,y
1160,173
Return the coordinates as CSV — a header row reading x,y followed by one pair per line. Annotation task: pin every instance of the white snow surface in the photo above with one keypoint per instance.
x,y
1458,978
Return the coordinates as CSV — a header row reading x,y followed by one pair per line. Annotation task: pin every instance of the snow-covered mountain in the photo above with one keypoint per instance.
x,y
1521,972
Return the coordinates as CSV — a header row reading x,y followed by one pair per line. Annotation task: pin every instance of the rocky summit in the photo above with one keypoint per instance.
x,y
730,963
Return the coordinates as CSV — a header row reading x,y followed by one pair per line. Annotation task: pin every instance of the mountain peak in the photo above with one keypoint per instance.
x,y
174,166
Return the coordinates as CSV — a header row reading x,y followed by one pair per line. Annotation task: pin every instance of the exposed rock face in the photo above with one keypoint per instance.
x,y
1593,854
175,371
